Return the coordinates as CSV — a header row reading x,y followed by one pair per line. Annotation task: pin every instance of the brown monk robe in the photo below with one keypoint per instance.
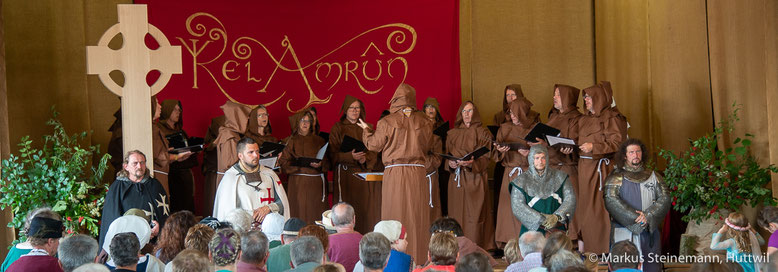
x,y
405,139
468,189
600,131
514,161
511,92
160,147
181,179
115,148
259,127
436,171
235,123
564,116
307,199
210,163
365,196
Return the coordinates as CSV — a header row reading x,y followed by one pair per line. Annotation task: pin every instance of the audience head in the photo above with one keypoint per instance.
x,y
128,223
173,234
632,153
273,226
474,262
240,219
739,229
624,255
395,232
44,234
255,247
447,224
343,215
92,267
531,242
768,218
555,242
198,237
318,232
330,267
292,228
190,260
306,249
77,250
443,249
224,247
125,249
564,259
374,250
512,252
44,212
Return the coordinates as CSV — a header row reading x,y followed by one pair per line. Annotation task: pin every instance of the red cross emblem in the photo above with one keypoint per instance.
x,y
269,199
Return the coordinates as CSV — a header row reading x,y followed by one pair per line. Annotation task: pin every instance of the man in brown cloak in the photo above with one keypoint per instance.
x,y
307,184
522,119
405,138
210,163
180,177
468,187
365,196
235,123
600,132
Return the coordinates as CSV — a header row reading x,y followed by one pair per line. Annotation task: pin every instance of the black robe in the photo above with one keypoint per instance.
x,y
147,195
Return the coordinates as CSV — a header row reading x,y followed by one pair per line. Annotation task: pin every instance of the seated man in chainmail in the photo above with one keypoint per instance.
x,y
542,198
637,200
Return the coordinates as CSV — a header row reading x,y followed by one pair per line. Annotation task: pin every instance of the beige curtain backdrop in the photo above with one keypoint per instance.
x,y
676,66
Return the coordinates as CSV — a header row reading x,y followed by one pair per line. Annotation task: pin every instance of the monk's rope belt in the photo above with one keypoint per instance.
x,y
599,164
516,169
456,177
429,178
345,168
157,171
323,183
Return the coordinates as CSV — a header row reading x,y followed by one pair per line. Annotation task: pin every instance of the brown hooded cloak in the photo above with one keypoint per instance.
x,y
438,118
566,121
605,128
405,143
365,196
115,148
160,147
468,187
307,186
181,179
507,225
235,123
503,116
210,163
434,168
252,131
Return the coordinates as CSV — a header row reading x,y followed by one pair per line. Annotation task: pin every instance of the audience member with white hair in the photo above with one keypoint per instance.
x,y
307,253
76,251
240,219
394,231
531,244
374,250
344,245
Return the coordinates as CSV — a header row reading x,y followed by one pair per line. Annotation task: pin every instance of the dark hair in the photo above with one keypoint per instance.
x,y
77,250
124,249
621,155
243,143
443,249
447,224
255,246
766,216
374,250
474,262
173,235
191,260
625,254
318,232
328,267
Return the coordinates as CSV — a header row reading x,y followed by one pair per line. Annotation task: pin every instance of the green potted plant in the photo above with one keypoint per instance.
x,y
708,182
61,175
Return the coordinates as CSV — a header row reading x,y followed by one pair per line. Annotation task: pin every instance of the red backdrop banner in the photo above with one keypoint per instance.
x,y
289,55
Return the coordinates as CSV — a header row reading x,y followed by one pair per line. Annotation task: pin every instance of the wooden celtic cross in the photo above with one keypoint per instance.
x,y
135,60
